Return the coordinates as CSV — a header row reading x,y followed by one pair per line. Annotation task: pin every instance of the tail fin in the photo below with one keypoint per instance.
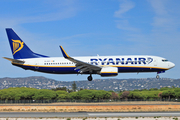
x,y
19,49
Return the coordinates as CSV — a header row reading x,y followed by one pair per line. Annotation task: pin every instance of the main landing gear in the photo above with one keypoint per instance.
x,y
90,78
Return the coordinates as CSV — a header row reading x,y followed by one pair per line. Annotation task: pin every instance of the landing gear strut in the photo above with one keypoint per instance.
x,y
157,76
90,78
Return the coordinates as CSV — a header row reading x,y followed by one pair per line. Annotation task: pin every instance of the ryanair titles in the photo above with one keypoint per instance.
x,y
122,61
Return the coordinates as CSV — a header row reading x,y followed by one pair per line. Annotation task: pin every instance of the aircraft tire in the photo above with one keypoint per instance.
x,y
157,76
90,78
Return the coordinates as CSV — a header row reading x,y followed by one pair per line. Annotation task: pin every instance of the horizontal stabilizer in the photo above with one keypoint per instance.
x,y
14,60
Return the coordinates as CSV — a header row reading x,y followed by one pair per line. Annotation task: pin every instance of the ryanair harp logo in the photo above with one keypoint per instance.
x,y
17,46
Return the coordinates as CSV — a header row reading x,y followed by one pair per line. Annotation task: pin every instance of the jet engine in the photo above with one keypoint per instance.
x,y
109,71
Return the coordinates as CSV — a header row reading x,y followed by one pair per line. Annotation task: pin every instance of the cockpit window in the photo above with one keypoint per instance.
x,y
164,60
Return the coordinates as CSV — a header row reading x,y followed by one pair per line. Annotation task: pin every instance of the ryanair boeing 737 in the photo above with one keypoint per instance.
x,y
101,65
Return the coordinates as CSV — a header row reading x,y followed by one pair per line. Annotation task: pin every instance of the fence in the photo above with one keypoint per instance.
x,y
80,101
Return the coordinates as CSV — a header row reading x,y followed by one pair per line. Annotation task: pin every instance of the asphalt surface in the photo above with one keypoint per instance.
x,y
86,114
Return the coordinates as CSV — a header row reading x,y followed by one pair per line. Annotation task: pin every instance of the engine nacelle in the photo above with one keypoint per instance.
x,y
109,71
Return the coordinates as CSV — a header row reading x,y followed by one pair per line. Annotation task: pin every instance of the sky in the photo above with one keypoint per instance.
x,y
91,27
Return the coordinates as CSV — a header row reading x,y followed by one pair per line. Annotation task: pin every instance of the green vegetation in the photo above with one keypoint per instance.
x,y
74,87
152,94
175,118
62,94
45,94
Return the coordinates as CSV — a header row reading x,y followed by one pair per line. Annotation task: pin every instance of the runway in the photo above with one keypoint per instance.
x,y
84,114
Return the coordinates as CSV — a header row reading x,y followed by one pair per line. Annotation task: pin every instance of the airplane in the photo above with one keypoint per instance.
x,y
105,66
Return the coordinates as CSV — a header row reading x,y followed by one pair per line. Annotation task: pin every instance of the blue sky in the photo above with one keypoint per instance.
x,y
91,27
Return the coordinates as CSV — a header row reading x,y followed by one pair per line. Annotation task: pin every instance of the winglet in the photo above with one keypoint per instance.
x,y
64,52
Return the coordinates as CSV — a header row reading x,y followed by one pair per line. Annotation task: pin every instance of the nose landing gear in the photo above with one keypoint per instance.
x,y
157,77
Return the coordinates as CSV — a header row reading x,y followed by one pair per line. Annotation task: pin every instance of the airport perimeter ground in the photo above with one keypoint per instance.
x,y
90,108
93,107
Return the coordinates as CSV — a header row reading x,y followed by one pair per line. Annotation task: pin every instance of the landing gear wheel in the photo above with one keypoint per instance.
x,y
90,78
157,76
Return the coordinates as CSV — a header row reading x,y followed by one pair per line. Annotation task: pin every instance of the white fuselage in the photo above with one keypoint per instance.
x,y
133,63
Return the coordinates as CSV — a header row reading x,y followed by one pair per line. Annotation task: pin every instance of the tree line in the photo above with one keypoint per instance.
x,y
164,93
46,94
61,94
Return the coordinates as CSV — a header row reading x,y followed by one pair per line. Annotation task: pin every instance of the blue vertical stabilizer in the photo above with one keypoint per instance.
x,y
19,49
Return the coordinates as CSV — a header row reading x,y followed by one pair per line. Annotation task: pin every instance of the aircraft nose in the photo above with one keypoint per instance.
x,y
171,65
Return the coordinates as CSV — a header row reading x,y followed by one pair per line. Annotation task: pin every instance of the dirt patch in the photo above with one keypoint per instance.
x,y
113,108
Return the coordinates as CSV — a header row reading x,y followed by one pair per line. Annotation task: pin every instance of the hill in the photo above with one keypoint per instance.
x,y
40,82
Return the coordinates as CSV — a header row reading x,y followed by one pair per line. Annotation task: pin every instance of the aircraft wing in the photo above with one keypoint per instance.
x,y
83,66
14,60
